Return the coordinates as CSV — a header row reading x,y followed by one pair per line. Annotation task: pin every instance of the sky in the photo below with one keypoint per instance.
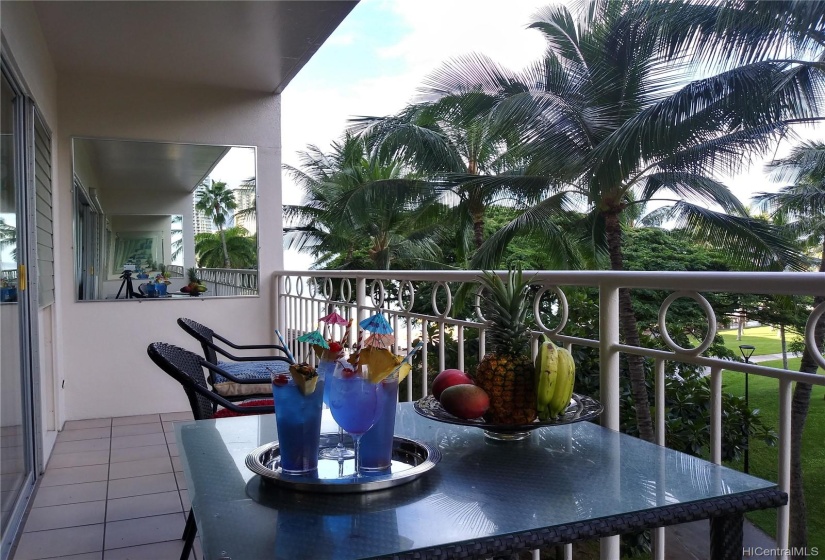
x,y
378,57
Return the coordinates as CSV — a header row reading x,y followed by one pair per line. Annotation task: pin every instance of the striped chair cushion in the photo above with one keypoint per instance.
x,y
248,370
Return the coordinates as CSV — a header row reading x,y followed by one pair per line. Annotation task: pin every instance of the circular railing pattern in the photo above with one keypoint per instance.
x,y
379,298
329,289
409,285
434,299
810,330
563,309
706,307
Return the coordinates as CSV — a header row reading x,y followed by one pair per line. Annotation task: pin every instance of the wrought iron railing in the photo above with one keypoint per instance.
x,y
229,281
303,297
175,271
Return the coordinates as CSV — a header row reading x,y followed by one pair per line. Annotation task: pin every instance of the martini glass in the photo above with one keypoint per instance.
x,y
326,370
355,404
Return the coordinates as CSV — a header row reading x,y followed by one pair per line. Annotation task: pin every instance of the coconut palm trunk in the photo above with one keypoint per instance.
x,y
798,537
226,261
629,329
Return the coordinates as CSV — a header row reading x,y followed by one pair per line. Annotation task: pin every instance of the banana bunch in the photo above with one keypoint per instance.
x,y
555,376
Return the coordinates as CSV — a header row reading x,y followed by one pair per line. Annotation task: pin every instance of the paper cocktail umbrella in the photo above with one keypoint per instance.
x,y
315,338
376,324
379,340
333,318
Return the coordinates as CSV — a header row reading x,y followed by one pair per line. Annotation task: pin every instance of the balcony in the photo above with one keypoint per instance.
x,y
419,305
303,298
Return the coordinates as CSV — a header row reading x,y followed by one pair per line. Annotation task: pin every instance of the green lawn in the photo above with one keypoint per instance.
x,y
764,459
762,338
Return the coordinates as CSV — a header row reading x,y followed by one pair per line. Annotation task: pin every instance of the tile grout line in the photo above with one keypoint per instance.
x,y
106,501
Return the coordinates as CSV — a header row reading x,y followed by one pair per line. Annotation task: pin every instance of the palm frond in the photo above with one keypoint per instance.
x,y
749,243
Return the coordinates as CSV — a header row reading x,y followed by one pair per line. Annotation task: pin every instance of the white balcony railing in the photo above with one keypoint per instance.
x,y
229,281
304,297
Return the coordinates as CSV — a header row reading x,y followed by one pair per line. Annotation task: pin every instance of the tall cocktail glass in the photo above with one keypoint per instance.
x,y
355,403
376,443
326,368
298,418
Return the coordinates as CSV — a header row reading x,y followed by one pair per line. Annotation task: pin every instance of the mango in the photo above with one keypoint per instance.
x,y
449,378
465,401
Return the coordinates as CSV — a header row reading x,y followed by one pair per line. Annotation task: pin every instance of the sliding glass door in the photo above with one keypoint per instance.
x,y
16,404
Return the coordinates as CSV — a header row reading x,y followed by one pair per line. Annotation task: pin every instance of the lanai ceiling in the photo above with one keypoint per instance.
x,y
258,46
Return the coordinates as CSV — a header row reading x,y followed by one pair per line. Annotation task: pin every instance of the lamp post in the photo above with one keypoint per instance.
x,y
747,351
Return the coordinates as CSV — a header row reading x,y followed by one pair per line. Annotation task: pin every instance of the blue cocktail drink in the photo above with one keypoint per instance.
x,y
325,369
298,418
376,443
339,452
354,402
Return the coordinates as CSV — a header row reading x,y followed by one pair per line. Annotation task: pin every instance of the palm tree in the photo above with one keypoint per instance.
x,y
606,121
217,202
802,205
8,238
451,135
357,199
242,249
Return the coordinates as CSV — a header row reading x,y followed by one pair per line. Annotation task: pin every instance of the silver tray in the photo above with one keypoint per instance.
x,y
410,459
581,408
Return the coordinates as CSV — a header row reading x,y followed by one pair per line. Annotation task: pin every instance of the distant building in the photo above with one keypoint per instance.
x,y
201,224
245,200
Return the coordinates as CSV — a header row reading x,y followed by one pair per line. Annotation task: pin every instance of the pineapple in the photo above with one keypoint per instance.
x,y
506,373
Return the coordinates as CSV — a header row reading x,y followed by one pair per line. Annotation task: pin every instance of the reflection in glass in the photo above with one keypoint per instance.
x,y
13,442
183,210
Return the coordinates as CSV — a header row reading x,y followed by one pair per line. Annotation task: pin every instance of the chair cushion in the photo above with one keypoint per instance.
x,y
248,370
226,413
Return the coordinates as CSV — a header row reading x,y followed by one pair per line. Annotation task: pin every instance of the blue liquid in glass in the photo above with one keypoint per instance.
x,y
354,403
298,418
376,443
325,369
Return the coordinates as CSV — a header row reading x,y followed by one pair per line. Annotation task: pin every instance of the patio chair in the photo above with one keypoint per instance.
x,y
186,368
247,368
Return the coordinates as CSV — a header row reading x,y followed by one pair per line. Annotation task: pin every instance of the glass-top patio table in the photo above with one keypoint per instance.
x,y
484,498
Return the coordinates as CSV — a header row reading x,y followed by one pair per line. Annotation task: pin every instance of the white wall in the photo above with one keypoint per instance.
x,y
104,356
25,46
100,347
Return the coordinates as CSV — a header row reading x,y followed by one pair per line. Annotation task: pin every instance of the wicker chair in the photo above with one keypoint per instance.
x,y
248,368
186,368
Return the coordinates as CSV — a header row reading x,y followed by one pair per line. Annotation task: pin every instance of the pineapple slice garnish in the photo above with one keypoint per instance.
x,y
381,363
305,377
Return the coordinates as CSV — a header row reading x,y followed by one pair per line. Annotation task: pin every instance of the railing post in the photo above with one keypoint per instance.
x,y
360,301
608,355
280,319
609,383
659,533
784,478
716,415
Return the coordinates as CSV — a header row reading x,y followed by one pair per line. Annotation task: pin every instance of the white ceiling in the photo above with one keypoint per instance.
x,y
257,45
120,164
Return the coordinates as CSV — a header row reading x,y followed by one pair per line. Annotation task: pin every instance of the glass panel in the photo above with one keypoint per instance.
x,y
15,447
149,207
559,476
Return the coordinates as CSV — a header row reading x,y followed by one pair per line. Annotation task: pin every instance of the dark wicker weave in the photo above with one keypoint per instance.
x,y
725,514
186,368
207,337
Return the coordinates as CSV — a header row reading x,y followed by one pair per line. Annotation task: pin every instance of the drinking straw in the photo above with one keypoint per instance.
x,y
345,338
407,359
286,348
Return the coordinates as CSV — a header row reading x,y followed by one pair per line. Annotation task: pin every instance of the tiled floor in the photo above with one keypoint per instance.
x,y
113,490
